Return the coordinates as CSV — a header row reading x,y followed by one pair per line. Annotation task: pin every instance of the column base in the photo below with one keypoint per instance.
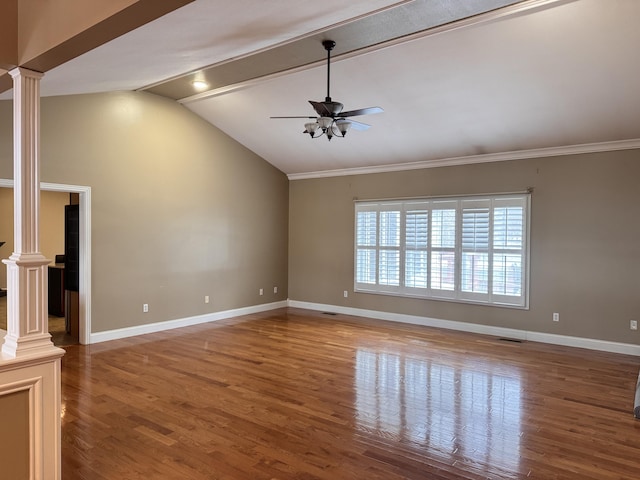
x,y
18,347
27,316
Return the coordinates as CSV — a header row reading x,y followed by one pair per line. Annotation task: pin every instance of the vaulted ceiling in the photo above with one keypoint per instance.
x,y
459,82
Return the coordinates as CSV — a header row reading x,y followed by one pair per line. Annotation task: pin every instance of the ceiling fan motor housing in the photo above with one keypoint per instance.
x,y
334,108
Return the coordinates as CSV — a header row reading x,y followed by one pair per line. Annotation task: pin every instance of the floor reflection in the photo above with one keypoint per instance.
x,y
459,412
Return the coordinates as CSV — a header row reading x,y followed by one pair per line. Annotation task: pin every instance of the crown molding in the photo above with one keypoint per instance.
x,y
473,159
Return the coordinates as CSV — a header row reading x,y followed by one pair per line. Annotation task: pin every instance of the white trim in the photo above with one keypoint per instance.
x,y
550,338
126,332
473,159
84,293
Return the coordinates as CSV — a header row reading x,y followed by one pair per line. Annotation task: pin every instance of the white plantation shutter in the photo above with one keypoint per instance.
x,y
469,249
509,243
389,260
416,242
378,232
474,261
443,248
366,242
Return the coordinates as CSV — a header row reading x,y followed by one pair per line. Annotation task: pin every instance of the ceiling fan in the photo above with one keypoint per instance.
x,y
331,120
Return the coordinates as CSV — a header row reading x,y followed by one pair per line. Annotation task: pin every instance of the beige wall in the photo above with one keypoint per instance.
x,y
585,241
6,230
51,226
179,210
52,223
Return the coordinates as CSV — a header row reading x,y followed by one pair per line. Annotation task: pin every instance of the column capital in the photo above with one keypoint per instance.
x,y
25,72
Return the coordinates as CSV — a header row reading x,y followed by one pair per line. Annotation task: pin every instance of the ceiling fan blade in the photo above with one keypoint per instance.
x,y
362,111
313,118
320,108
358,125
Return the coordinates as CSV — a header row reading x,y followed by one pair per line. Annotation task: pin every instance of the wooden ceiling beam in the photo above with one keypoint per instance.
x,y
43,35
8,35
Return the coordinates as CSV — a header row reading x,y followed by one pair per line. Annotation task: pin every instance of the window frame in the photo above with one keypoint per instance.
x,y
492,252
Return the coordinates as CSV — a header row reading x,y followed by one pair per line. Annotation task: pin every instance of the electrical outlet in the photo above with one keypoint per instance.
x,y
145,307
633,324
346,294
206,299
556,317
275,289
261,291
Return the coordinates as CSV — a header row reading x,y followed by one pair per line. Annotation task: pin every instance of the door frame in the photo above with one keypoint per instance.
x,y
84,292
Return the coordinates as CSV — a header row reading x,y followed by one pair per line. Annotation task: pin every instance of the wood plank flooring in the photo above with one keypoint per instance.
x,y
293,394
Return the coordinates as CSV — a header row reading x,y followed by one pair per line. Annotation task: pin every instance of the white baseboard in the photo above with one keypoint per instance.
x,y
181,322
567,341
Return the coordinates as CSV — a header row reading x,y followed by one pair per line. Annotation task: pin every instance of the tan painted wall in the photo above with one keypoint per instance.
x,y
585,241
51,226
179,210
6,230
52,223
14,437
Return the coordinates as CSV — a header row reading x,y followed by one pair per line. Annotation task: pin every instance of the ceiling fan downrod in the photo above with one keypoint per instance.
x,y
327,124
328,46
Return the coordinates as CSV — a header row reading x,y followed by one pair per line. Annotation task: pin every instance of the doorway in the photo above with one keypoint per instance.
x,y
84,252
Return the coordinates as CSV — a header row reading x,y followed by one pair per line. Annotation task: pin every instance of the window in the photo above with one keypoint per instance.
x,y
467,249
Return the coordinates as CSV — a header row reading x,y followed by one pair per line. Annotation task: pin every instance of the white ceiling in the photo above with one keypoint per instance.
x,y
538,75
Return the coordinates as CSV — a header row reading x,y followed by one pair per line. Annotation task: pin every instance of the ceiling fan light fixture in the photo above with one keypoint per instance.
x,y
343,126
311,128
329,132
325,122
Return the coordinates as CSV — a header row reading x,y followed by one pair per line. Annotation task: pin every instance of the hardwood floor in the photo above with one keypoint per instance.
x,y
293,394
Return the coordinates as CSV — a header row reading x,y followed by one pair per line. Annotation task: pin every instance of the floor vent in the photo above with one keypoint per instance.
x,y
329,313
514,340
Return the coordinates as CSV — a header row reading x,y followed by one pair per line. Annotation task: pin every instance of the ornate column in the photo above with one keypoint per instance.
x,y
29,362
27,315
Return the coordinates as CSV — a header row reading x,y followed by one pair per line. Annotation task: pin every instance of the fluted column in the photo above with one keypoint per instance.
x,y
27,311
